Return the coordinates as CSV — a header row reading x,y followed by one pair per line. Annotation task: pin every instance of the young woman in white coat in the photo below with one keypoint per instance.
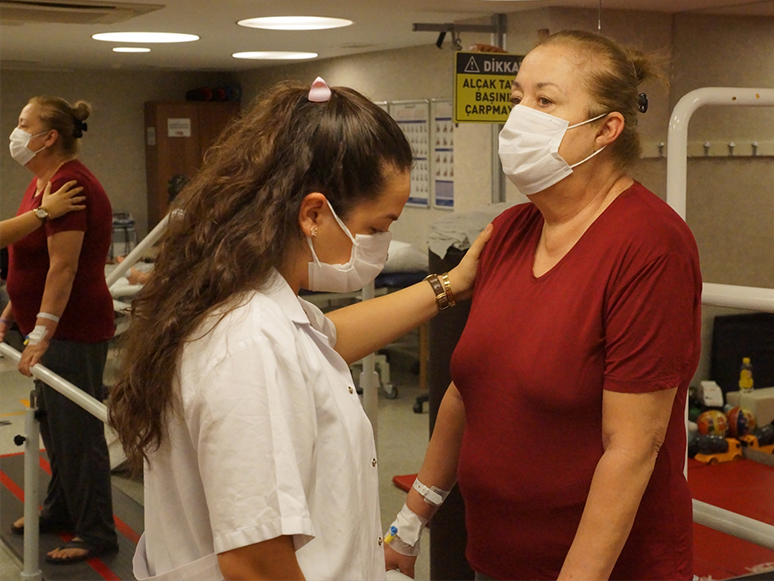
x,y
234,392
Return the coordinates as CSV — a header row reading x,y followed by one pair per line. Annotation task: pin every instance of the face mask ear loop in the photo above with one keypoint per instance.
x,y
587,121
340,223
588,158
598,150
311,247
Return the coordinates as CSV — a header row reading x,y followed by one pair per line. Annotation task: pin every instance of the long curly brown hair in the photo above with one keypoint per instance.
x,y
234,222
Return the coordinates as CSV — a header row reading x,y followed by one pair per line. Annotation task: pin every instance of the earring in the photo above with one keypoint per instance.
x,y
313,231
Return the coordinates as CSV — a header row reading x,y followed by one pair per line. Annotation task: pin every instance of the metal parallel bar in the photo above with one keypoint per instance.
x,y
677,140
733,524
151,239
67,389
740,297
31,570
717,294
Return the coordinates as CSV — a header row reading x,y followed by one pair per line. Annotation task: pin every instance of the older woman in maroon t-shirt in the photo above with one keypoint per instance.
x,y
564,423
59,299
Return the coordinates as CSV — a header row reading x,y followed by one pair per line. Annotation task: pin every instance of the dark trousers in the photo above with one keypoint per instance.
x,y
79,493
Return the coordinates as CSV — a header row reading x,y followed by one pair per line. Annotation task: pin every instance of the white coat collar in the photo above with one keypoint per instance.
x,y
278,290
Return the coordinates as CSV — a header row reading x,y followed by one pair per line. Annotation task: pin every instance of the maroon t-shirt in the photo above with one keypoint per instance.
x,y
619,312
88,316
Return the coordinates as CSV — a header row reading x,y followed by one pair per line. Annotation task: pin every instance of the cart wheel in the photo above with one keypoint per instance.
x,y
391,391
418,407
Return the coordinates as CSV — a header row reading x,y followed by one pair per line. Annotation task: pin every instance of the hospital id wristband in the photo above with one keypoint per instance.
x,y
48,316
432,495
405,532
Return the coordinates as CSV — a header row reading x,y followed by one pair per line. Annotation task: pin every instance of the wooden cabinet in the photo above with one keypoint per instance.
x,y
177,134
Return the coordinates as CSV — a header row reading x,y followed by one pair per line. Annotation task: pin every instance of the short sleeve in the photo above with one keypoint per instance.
x,y
650,327
75,220
253,425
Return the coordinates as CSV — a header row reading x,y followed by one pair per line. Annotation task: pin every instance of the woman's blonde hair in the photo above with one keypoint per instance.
x,y
612,74
67,120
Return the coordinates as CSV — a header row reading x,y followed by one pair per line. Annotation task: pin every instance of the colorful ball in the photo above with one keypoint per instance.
x,y
740,422
712,423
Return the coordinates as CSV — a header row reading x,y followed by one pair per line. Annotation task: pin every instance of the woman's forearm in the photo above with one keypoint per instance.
x,y
367,326
439,467
59,285
18,227
616,491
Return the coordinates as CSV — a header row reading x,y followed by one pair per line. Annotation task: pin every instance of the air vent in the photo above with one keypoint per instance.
x,y
63,12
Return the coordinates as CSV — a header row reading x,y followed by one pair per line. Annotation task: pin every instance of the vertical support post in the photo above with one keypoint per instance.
x,y
31,569
500,22
369,379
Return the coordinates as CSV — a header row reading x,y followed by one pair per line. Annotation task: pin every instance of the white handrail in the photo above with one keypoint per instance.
x,y
721,295
138,251
740,297
67,389
677,138
733,524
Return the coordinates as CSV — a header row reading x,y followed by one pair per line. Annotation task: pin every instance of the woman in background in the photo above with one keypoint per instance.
x,y
61,303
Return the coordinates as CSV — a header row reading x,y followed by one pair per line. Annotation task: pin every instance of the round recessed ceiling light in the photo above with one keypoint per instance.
x,y
130,49
154,37
295,22
274,55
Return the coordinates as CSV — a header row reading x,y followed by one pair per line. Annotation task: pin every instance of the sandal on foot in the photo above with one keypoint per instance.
x,y
45,526
90,551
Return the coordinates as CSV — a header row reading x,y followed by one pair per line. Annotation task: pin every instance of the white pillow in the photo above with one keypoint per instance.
x,y
403,257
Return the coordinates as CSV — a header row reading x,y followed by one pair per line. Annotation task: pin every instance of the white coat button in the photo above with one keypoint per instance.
x,y
351,390
380,541
373,462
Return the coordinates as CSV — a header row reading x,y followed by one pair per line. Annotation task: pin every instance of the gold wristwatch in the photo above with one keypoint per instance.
x,y
41,213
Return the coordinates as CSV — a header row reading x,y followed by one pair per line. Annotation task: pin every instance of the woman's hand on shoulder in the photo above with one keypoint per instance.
x,y
63,200
463,276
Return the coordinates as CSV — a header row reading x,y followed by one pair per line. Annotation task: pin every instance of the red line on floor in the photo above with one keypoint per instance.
x,y
96,563
122,527
6,481
103,570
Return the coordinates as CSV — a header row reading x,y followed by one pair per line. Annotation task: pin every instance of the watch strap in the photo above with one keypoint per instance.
x,y
441,298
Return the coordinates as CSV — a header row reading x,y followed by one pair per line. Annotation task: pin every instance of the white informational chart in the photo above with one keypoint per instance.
x,y
442,158
413,117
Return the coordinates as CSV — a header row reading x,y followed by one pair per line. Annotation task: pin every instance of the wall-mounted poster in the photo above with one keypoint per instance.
x,y
414,118
442,157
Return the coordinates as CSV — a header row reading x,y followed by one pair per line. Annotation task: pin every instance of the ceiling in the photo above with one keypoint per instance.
x,y
379,25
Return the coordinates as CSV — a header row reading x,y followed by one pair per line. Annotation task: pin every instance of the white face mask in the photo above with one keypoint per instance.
x,y
369,253
529,149
18,146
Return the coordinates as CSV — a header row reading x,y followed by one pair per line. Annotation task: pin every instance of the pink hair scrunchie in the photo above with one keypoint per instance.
x,y
320,91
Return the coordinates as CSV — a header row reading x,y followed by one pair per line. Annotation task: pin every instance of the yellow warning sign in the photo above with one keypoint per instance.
x,y
482,86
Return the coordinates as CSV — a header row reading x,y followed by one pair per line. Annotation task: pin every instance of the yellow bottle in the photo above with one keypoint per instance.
x,y
746,376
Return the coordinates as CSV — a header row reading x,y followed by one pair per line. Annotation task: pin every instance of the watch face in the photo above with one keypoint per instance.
x,y
41,213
